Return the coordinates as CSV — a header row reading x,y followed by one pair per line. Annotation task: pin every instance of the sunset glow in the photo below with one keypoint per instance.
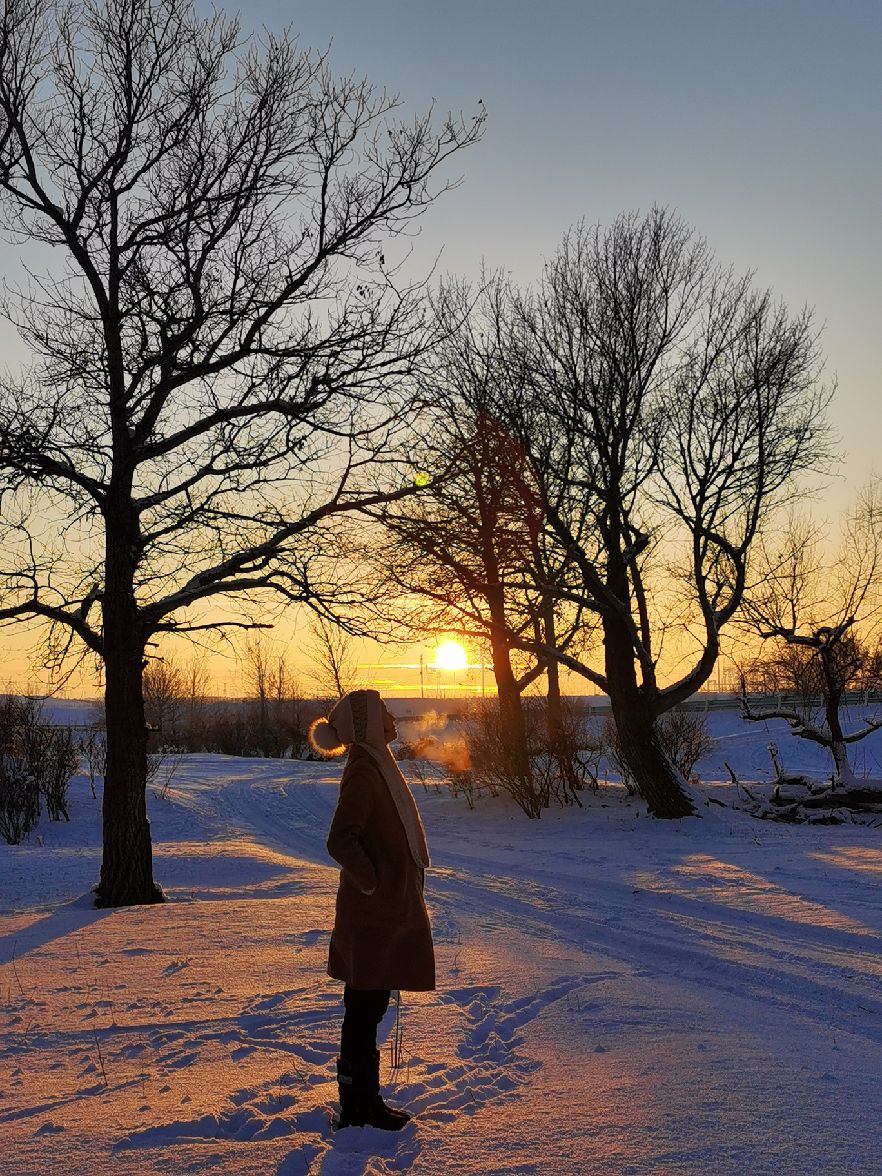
x,y
450,656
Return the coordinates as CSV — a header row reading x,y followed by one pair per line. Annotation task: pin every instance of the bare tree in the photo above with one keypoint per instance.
x,y
675,406
164,694
472,547
259,673
209,357
334,657
273,688
196,682
821,612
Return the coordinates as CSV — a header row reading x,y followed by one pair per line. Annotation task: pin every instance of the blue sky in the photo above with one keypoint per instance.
x,y
758,122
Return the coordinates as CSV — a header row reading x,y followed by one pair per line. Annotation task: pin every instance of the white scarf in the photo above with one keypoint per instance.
x,y
357,719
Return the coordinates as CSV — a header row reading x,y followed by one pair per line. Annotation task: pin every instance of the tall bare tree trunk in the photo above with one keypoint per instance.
x,y
554,706
834,688
127,864
511,711
654,776
558,745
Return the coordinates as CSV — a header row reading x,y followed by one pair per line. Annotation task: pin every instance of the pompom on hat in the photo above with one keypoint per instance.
x,y
356,718
324,739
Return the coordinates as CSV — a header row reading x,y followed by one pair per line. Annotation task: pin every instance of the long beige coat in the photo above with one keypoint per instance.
x,y
381,937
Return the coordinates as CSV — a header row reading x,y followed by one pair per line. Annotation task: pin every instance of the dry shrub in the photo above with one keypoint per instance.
x,y
496,762
19,800
451,753
561,757
56,760
480,755
93,749
684,737
565,749
276,730
38,763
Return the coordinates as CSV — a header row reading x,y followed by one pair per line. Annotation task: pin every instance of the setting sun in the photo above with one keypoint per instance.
x,y
450,656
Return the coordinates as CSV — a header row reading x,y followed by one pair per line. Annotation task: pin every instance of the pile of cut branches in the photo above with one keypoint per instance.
x,y
798,799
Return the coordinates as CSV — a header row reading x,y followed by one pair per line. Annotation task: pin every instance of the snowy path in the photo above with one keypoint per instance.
x,y
701,920
760,955
615,996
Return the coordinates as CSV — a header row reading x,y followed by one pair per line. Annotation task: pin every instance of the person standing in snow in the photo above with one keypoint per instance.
x,y
382,939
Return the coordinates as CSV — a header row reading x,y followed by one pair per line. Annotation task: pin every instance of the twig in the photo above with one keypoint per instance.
x,y
100,1057
15,971
396,1043
738,783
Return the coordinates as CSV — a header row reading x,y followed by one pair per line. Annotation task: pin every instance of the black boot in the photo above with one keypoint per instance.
x,y
374,1090
360,1102
351,1102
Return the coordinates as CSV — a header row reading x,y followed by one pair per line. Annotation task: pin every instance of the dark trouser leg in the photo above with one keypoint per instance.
x,y
365,1009
358,1067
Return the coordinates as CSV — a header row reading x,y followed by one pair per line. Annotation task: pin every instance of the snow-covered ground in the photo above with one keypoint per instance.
x,y
616,995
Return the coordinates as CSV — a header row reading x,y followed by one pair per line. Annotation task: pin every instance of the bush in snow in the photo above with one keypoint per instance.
x,y
276,729
609,738
19,787
562,746
93,749
19,800
59,759
683,735
561,758
492,760
49,756
685,738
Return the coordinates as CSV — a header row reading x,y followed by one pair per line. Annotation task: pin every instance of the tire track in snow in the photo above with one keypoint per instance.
x,y
687,941
286,808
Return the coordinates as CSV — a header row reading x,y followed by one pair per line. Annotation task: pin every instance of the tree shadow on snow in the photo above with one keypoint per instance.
x,y
69,917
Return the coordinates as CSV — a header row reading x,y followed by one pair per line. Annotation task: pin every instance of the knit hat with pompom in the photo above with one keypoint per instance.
x,y
355,718
324,739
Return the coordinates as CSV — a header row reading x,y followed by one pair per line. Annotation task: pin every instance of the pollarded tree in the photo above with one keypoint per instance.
x,y
825,608
677,406
209,351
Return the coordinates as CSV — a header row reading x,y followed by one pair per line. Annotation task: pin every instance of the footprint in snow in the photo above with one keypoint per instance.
x,y
174,967
372,1150
489,1066
242,1124
266,1003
